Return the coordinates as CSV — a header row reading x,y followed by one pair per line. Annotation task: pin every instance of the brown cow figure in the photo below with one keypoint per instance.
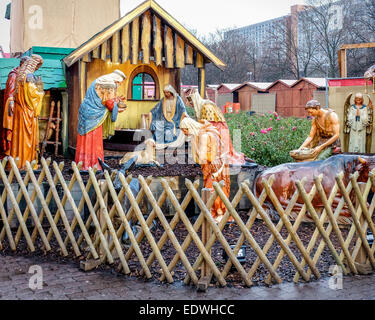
x,y
287,174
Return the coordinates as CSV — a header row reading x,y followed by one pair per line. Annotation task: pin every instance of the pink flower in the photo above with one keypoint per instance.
x,y
271,119
294,128
269,129
263,131
278,119
275,114
265,142
252,133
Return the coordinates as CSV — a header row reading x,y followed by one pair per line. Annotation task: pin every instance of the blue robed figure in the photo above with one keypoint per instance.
x,y
93,112
166,117
96,118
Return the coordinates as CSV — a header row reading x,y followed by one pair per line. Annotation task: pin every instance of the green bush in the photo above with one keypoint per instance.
x,y
268,138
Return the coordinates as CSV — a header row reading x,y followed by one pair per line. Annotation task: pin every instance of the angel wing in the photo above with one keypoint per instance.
x,y
370,112
346,113
346,121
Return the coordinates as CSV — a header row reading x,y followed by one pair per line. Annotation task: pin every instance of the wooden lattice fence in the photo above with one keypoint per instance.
x,y
98,238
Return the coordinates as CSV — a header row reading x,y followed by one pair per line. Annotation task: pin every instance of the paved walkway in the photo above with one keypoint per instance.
x,y
65,281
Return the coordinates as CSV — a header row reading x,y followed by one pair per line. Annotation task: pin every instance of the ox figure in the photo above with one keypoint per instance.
x,y
287,174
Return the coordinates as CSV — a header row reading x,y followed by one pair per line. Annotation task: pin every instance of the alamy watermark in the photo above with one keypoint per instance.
x,y
36,280
35,21
335,281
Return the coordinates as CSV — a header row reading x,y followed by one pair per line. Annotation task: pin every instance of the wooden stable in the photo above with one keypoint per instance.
x,y
243,93
225,93
145,41
282,89
303,91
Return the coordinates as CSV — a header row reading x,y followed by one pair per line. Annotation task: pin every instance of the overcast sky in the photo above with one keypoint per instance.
x,y
204,16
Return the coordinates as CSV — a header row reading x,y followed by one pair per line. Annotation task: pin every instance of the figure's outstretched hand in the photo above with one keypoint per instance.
x,y
121,107
119,99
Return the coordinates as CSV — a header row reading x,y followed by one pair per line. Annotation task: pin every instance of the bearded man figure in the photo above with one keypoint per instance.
x,y
324,138
8,113
28,99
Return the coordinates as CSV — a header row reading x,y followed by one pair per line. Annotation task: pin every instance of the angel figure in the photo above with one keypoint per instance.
x,y
358,121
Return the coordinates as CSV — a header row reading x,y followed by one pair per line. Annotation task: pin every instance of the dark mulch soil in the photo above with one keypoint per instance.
x,y
259,231
166,170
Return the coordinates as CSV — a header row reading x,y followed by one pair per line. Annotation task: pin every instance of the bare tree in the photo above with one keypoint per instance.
x,y
239,54
362,30
330,21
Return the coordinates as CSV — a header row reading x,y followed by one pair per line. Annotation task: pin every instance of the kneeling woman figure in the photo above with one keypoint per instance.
x,y
206,148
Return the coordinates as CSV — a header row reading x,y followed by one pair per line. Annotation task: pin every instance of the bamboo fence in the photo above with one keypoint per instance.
x,y
97,239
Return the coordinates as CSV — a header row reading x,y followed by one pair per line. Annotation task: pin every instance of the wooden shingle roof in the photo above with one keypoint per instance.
x,y
146,33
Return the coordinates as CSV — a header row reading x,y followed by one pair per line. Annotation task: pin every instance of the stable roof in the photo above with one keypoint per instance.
x,y
229,86
260,86
146,22
317,82
287,83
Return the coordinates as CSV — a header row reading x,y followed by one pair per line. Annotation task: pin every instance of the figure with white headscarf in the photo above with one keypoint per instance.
x,y
358,120
97,116
206,149
166,116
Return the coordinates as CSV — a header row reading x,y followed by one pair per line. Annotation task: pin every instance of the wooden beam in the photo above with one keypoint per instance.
x,y
358,45
189,55
158,41
96,53
87,58
180,52
135,41
199,63
116,47
103,52
202,82
343,63
169,46
125,41
65,124
146,37
82,79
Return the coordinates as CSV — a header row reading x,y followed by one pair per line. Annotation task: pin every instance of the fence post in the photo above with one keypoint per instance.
x,y
102,221
361,260
204,281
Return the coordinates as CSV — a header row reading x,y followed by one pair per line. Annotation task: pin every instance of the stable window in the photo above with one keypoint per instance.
x,y
144,85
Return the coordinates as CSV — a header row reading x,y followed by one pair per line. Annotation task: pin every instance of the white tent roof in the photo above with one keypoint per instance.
x,y
320,82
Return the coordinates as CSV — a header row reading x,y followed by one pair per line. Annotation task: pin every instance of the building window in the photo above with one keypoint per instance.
x,y
143,85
